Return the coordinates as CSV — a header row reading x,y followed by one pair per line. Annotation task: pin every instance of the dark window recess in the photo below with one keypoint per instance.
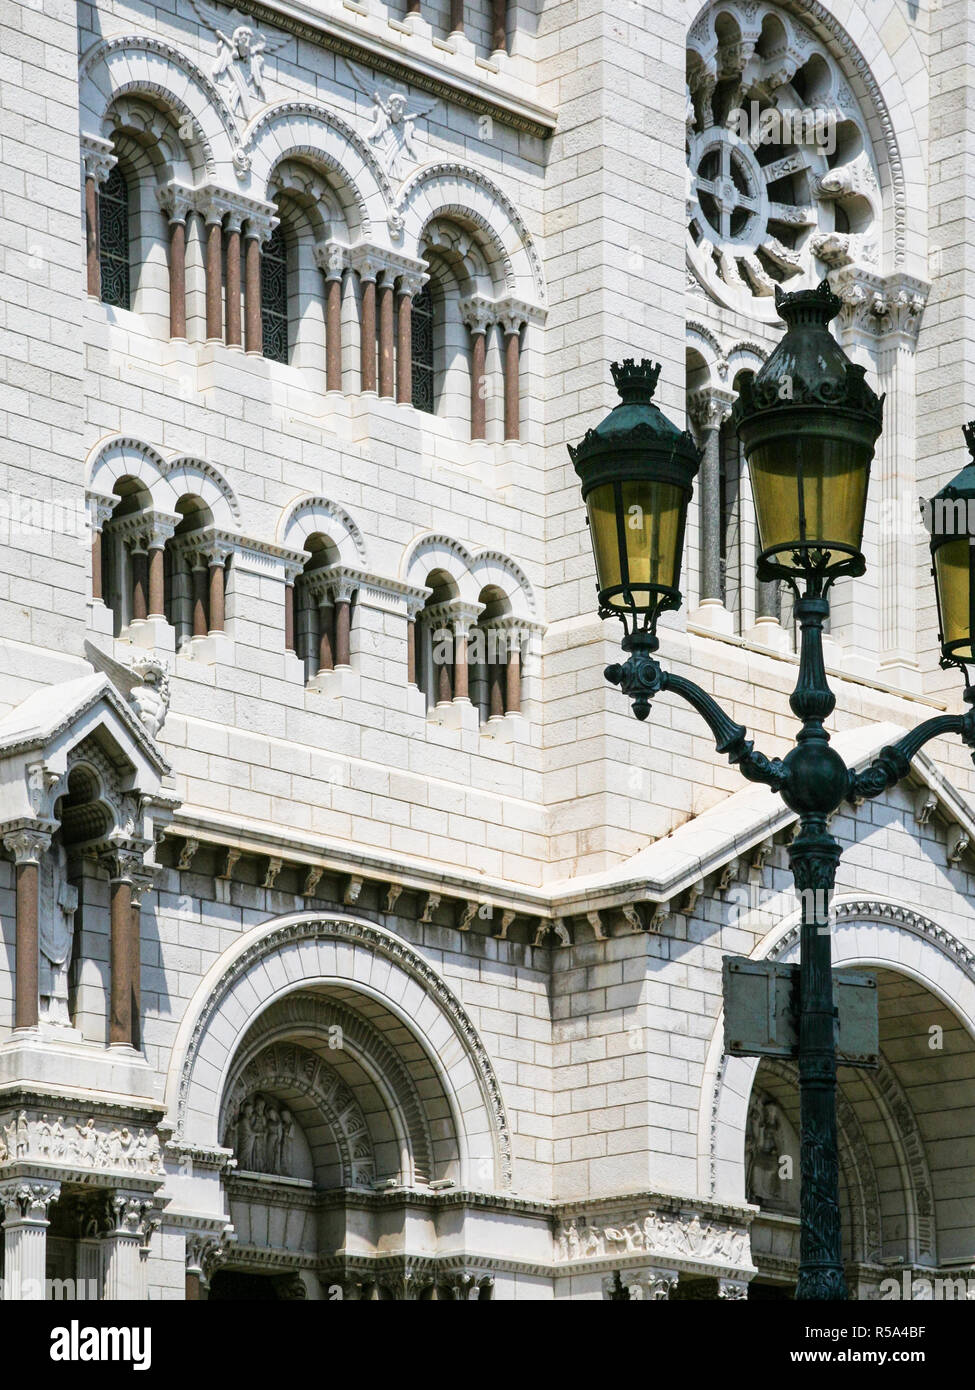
x,y
422,350
113,239
274,297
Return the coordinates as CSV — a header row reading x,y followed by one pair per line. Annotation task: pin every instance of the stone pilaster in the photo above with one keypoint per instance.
x,y
25,1223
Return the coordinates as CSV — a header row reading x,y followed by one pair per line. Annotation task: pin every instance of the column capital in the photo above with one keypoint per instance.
x,y
709,407
29,842
370,261
123,863
98,157
134,1215
880,307
514,314
100,509
258,227
206,1251
162,528
331,257
478,313
411,282
26,1203
176,201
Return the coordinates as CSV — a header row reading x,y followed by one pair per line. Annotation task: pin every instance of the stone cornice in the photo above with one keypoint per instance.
x,y
461,89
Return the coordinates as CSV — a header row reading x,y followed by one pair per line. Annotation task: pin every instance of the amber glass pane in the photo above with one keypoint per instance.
x,y
834,494
651,513
951,567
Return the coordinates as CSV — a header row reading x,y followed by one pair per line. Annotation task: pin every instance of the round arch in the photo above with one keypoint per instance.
x,y
876,933
309,516
433,552
305,951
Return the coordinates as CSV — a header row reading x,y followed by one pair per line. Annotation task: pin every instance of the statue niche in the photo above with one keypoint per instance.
x,y
58,905
261,1133
769,1139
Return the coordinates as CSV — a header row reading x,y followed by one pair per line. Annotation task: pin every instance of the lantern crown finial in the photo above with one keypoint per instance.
x,y
969,432
635,381
818,306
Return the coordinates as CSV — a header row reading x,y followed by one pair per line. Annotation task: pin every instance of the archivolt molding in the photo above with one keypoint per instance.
x,y
124,456
733,1077
288,131
492,566
166,74
308,515
469,572
316,1014
440,184
303,934
288,1066
187,468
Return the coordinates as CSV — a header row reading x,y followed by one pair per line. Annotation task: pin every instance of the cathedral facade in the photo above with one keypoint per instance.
x,y
355,940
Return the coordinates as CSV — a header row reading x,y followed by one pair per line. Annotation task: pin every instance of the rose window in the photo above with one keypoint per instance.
x,y
781,181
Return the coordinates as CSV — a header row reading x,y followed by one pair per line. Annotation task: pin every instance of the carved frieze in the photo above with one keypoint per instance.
x,y
78,1143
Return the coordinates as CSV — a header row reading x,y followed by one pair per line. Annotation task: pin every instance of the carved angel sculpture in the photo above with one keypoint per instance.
x,y
150,696
239,64
394,124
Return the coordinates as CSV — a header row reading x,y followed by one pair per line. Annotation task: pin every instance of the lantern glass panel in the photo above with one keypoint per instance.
x,y
636,528
809,491
952,569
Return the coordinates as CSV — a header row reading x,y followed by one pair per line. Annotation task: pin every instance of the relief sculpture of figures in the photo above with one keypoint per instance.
x,y
239,65
394,123
261,1136
59,903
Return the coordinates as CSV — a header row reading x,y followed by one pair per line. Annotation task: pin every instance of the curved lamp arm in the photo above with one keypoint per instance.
x,y
641,678
893,763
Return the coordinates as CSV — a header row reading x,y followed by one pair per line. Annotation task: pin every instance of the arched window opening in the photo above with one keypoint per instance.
x,y
274,296
187,558
122,552
113,240
422,326
434,641
492,650
319,628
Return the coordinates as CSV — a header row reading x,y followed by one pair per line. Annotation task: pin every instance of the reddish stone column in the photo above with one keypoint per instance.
x,y
512,385
456,16
201,625
478,374
134,961
123,962
385,293
333,331
461,685
444,679
326,629
214,273
140,579
513,679
367,331
96,562
404,347
233,280
499,26
412,6
157,579
217,611
91,237
177,278
289,616
343,628
495,690
411,650
27,847
253,329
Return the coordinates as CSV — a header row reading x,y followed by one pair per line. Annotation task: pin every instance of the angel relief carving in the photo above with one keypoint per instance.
x,y
241,53
394,122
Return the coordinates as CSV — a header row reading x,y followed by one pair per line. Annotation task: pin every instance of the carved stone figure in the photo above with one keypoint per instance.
x,y
762,1148
150,697
58,905
239,65
394,125
262,1133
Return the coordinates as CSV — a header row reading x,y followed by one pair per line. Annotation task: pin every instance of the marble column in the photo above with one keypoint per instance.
x,y
290,575
176,206
456,16
255,234
25,1223
343,623
198,569
461,631
217,615
98,165
123,960
409,285
131,1221
213,213
234,221
385,298
28,845
157,570
367,328
477,319
331,259
511,326
495,689
326,631
139,552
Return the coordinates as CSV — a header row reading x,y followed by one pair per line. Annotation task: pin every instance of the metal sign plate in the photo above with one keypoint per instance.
x,y
761,1016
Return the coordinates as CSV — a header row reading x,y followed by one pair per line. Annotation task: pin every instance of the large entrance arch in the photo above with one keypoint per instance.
x,y
906,1131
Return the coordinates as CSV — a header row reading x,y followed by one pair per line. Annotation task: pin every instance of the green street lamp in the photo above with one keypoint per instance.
x,y
808,425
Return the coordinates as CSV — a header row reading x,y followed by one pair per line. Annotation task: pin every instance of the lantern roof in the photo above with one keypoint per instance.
x,y
636,422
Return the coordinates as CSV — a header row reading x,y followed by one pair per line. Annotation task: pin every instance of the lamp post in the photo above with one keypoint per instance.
x,y
808,425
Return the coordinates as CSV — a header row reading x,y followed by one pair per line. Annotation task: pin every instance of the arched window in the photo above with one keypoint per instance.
x,y
274,296
113,240
422,347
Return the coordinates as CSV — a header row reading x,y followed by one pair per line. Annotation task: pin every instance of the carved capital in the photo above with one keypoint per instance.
x,y
26,1203
29,843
